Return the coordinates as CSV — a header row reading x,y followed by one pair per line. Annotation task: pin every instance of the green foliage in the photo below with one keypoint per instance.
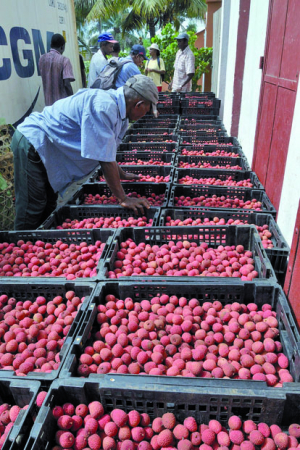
x,y
168,49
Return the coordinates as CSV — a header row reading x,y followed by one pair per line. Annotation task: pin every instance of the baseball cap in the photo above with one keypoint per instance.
x,y
140,49
154,46
106,37
146,88
183,36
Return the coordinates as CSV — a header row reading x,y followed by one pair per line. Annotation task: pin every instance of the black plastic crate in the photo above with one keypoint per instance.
x,y
207,148
277,255
168,100
226,293
168,109
165,171
150,138
30,290
84,212
213,236
151,397
143,189
220,174
130,157
20,393
188,119
195,138
199,110
147,147
200,102
155,124
152,129
197,94
200,127
228,192
214,160
67,237
166,119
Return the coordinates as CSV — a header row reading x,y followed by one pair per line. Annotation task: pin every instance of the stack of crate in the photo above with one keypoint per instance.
x,y
184,158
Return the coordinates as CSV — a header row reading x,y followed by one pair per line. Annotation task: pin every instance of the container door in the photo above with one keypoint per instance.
x,y
278,95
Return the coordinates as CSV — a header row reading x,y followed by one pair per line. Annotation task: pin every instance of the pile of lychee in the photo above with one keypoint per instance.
x,y
8,416
212,142
90,199
45,259
140,162
263,230
105,222
32,333
223,153
207,165
183,258
212,181
145,178
174,336
91,427
216,201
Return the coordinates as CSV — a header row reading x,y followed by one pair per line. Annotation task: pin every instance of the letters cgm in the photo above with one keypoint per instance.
x,y
23,60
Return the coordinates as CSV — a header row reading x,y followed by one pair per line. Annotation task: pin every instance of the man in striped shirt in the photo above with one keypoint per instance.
x,y
184,66
56,71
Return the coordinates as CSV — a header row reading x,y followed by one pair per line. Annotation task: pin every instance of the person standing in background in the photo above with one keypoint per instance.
x,y
99,59
184,66
56,71
116,50
155,67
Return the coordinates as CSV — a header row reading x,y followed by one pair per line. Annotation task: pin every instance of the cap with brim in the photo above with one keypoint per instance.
x,y
107,37
154,47
183,36
139,49
145,87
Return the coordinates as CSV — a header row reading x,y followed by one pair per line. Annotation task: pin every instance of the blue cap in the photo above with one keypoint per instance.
x,y
139,49
106,37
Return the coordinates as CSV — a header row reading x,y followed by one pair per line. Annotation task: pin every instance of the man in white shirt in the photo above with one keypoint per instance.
x,y
184,66
99,59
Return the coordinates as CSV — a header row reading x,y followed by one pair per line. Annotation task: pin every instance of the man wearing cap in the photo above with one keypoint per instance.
x,y
99,59
184,66
136,59
67,141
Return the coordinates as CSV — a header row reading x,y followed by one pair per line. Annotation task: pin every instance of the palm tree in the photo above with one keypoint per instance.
x,y
148,12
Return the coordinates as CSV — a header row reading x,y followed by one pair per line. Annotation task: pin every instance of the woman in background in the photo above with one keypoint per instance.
x,y
155,67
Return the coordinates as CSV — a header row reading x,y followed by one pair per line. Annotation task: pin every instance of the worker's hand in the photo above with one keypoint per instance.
x,y
131,176
179,89
136,204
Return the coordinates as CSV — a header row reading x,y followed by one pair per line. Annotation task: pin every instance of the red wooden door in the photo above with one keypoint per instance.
x,y
292,279
278,95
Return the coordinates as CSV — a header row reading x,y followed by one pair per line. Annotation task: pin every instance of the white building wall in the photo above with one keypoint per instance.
x,y
252,75
289,200
231,57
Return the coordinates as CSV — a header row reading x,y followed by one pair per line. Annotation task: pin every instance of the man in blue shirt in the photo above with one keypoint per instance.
x,y
66,141
136,58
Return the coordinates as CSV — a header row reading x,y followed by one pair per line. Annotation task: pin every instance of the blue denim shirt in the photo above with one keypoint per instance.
x,y
77,132
127,71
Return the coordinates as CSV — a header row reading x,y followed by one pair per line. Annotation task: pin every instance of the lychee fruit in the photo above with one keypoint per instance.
x,y
65,422
94,442
249,426
111,429
269,444
215,426
181,432
294,430
165,438
208,436
127,445
168,421
223,439
191,424
96,409
281,440
40,398
256,437
185,444
236,436
108,443
234,423
14,412
138,434
66,439
264,429
157,425
119,417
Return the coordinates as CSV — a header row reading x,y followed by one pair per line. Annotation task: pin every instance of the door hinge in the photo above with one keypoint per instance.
x,y
261,62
